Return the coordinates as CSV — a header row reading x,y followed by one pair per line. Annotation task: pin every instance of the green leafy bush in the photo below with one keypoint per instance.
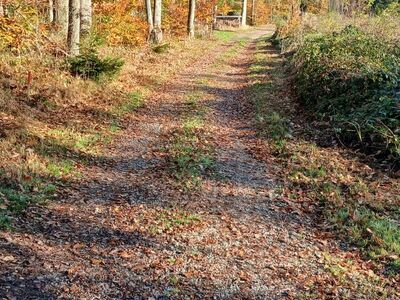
x,y
353,79
90,65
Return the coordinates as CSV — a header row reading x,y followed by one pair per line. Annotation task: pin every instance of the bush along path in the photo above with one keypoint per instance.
x,y
194,202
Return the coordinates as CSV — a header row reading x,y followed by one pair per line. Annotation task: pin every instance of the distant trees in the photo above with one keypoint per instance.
x,y
120,22
154,21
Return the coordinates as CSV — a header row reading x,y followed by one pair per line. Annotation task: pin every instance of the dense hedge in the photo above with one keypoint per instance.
x,y
353,79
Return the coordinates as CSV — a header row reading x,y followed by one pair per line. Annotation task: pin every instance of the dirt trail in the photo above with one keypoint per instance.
x,y
126,232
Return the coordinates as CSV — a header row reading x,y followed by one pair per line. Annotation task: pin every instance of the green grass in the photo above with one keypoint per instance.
x,y
189,160
192,99
189,155
114,127
192,124
224,36
15,199
134,100
163,48
171,220
379,235
75,140
276,126
61,168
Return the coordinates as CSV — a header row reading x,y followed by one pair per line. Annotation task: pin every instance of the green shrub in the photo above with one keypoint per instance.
x,y
90,65
163,48
353,79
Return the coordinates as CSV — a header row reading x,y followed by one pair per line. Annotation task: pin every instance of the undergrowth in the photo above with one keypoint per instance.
x,y
362,207
90,65
352,79
53,124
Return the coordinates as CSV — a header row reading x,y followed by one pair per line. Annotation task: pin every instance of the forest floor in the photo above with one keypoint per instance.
x,y
187,203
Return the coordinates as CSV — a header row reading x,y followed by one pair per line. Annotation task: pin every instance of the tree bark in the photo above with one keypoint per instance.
x,y
61,16
74,27
244,12
157,34
149,14
1,9
191,18
86,17
336,6
253,13
51,11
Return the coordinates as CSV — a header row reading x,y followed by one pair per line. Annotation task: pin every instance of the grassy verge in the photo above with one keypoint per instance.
x,y
53,123
357,201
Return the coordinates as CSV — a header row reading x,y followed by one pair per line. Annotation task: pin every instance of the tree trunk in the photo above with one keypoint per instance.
x,y
336,6
149,14
253,13
86,17
244,12
192,13
74,27
1,9
215,10
157,34
61,16
51,11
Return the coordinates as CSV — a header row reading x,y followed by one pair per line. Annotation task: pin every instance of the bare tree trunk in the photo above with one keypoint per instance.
x,y
74,27
51,11
61,16
253,13
1,9
244,12
215,10
157,34
192,13
336,6
86,17
149,14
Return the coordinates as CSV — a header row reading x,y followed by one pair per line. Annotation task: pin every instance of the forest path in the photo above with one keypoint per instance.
x,y
132,230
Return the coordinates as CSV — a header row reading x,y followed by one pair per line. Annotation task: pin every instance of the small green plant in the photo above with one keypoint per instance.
x,y
15,199
189,161
62,168
192,99
90,65
134,100
314,172
163,48
189,155
275,126
192,124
